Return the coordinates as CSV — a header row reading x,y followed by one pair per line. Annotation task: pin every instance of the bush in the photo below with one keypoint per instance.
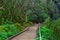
x,y
45,33
8,30
54,25
50,30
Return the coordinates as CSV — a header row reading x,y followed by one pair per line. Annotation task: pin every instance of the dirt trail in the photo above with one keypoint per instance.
x,y
30,34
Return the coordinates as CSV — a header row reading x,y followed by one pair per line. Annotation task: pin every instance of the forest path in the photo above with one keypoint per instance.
x,y
30,34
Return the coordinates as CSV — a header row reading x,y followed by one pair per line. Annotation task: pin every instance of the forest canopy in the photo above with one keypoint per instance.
x,y
16,15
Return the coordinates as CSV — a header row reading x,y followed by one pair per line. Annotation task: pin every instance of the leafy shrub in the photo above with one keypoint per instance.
x,y
47,22
45,33
19,26
26,24
50,30
43,16
37,38
54,25
8,30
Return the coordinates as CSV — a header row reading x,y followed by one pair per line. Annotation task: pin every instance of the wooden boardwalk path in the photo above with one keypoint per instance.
x,y
30,34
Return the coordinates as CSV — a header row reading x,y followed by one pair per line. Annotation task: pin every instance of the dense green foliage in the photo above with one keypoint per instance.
x,y
15,15
13,18
49,30
11,11
8,30
45,32
54,26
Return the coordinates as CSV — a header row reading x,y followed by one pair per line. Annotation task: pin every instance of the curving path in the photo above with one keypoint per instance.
x,y
30,34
